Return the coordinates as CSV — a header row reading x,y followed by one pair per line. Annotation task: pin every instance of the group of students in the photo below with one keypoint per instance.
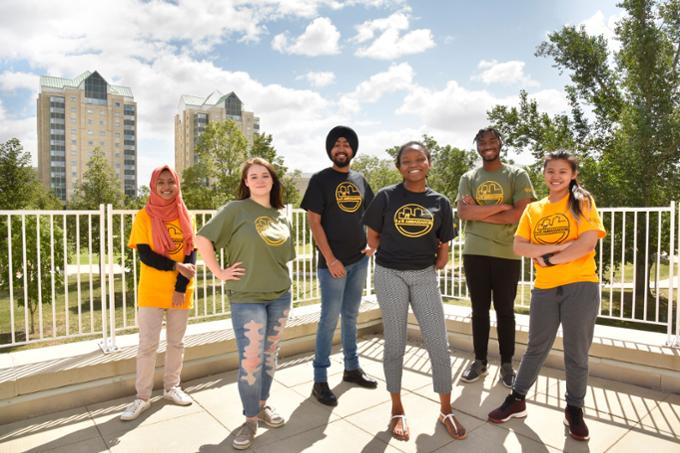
x,y
408,226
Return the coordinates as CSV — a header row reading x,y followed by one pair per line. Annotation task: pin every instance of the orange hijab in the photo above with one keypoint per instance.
x,y
161,211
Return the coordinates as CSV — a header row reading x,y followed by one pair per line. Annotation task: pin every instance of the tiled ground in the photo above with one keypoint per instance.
x,y
622,418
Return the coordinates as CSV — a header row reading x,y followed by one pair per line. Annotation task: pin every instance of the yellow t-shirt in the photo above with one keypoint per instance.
x,y
544,222
156,287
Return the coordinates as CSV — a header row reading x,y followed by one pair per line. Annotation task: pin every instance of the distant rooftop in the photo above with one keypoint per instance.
x,y
214,98
78,82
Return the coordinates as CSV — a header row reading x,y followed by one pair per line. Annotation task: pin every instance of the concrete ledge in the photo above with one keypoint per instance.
x,y
61,377
624,355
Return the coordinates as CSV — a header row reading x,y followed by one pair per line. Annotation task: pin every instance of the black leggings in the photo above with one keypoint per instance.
x,y
486,275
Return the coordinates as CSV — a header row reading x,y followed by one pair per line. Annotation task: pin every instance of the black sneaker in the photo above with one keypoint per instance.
x,y
324,394
507,374
474,371
360,378
511,407
573,418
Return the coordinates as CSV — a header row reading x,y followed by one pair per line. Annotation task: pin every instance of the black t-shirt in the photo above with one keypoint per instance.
x,y
411,225
340,199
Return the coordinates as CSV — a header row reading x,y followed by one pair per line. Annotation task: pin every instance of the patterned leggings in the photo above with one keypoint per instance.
x,y
396,290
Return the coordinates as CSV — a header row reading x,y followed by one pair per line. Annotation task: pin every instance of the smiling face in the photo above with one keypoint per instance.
x,y
414,164
259,180
341,153
558,174
489,147
166,186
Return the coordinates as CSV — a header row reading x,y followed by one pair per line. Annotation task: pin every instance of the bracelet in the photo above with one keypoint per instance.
x,y
330,264
546,259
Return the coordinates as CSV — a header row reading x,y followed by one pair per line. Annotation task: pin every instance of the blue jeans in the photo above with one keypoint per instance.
x,y
258,327
339,296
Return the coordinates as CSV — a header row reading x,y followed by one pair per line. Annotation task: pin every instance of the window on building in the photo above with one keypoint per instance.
x,y
232,105
95,87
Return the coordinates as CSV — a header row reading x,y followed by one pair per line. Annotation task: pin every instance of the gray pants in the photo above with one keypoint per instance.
x,y
396,290
575,306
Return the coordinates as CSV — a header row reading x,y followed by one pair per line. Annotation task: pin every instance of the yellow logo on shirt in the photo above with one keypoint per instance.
x,y
270,231
552,229
489,192
413,220
347,196
176,237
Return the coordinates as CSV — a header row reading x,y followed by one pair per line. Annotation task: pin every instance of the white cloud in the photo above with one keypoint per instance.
x,y
503,73
318,79
319,38
598,24
22,128
398,77
390,43
11,81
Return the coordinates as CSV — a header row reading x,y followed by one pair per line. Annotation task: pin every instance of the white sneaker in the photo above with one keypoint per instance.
x,y
177,396
135,409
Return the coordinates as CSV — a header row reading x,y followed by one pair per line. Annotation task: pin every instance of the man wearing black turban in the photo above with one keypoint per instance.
x,y
335,201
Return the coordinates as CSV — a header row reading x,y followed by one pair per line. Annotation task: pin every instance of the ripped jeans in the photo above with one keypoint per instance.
x,y
258,327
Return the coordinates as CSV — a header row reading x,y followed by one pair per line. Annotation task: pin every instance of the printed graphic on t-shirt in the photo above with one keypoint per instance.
x,y
267,229
413,220
489,192
552,229
176,236
347,196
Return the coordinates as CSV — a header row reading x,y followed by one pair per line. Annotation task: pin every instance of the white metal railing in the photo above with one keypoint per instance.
x,y
69,274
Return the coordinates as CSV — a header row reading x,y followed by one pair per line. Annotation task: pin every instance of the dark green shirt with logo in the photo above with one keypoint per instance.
x,y
508,185
260,238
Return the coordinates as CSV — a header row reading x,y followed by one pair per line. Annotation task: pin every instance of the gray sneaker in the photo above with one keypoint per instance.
x,y
474,371
507,374
245,435
270,417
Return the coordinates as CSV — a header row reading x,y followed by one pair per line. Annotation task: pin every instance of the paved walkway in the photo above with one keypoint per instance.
x,y
622,418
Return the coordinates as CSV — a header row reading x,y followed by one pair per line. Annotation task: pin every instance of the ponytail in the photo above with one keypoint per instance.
x,y
579,198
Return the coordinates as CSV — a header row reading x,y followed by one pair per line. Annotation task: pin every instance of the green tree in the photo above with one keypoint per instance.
x,y
99,185
378,172
214,178
139,200
629,143
262,147
21,189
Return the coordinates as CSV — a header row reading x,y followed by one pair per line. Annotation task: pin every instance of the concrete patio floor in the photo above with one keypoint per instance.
x,y
621,417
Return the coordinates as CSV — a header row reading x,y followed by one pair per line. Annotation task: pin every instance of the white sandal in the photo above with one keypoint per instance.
x,y
404,427
443,418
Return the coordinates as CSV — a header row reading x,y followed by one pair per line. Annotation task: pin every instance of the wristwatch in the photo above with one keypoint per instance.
x,y
546,259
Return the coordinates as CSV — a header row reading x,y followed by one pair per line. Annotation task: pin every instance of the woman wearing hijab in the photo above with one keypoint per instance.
x,y
163,235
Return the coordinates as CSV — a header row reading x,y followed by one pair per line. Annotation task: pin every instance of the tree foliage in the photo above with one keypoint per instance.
x,y
214,178
99,185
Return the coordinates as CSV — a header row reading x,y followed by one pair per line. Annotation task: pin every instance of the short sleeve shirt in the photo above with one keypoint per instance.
x,y
411,226
341,199
260,239
544,222
156,287
508,185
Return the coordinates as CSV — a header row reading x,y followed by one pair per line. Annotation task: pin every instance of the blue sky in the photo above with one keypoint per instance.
x,y
392,69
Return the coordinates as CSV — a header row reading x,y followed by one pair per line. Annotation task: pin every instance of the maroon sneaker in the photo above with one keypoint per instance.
x,y
511,407
573,418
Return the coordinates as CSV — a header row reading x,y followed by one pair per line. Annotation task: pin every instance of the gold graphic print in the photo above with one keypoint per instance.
x,y
489,192
552,229
270,231
347,196
176,237
413,220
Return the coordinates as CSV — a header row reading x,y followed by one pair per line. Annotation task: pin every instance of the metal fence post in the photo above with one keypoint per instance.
x,y
104,344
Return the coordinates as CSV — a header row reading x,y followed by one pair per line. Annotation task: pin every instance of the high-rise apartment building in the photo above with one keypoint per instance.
x,y
195,113
75,116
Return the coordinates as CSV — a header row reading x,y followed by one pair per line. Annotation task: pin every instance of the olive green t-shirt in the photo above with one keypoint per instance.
x,y
507,185
260,238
